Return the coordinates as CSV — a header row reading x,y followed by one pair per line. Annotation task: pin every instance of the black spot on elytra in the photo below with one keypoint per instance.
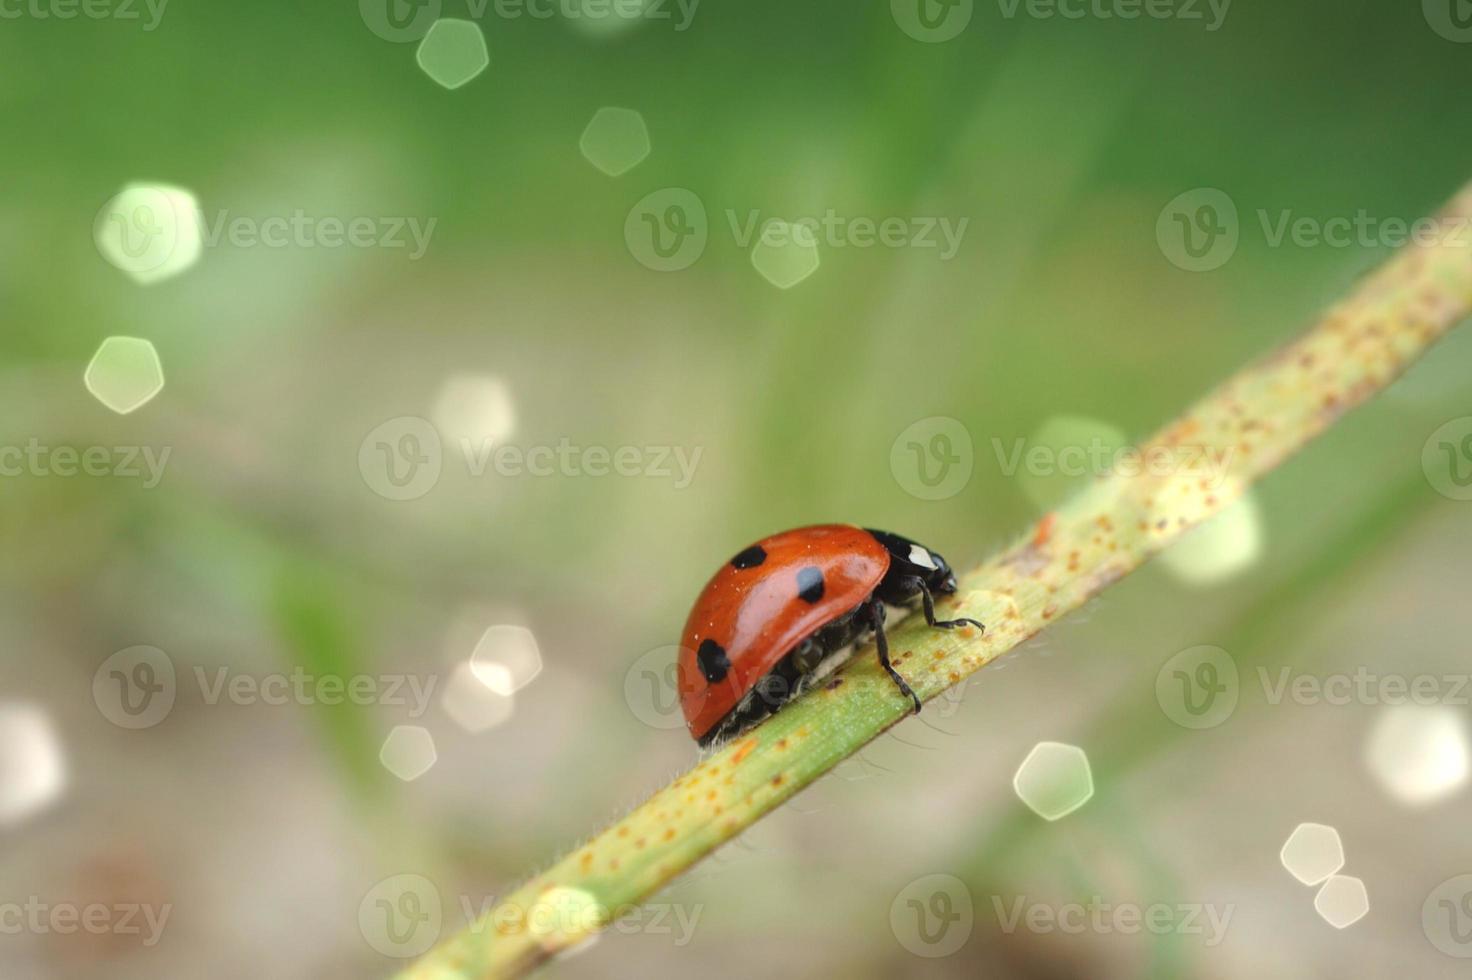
x,y
810,584
711,658
750,558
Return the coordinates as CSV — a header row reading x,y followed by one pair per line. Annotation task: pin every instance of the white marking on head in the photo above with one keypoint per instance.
x,y
919,556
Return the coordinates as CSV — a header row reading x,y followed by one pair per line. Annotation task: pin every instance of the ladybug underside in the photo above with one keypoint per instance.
x,y
814,658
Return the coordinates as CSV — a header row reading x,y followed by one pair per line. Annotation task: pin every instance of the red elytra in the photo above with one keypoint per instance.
x,y
766,624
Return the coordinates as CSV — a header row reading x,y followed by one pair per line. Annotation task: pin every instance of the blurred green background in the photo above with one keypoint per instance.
x,y
268,547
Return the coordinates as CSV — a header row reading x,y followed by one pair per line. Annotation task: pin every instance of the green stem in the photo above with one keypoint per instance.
x,y
1223,444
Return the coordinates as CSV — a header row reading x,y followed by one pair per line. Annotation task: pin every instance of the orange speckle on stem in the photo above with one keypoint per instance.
x,y
1044,532
742,751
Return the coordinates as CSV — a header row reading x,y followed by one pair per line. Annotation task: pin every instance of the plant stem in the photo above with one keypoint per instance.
x,y
1224,443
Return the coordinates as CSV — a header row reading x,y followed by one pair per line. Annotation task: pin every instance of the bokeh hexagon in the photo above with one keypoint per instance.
x,y
125,374
1054,780
453,52
1312,853
615,140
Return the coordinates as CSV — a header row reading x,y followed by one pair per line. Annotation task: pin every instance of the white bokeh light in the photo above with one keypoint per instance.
x,y
506,659
1312,853
408,752
474,412
473,705
616,140
1054,780
32,765
1342,901
1078,449
1419,753
124,374
786,253
150,231
1225,546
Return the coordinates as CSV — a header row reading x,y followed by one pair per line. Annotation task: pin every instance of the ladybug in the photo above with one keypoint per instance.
x,y
776,618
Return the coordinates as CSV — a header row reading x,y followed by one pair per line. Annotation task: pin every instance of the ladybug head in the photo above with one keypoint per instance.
x,y
911,558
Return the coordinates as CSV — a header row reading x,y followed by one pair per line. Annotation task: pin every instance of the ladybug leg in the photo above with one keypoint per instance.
x,y
876,620
917,583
